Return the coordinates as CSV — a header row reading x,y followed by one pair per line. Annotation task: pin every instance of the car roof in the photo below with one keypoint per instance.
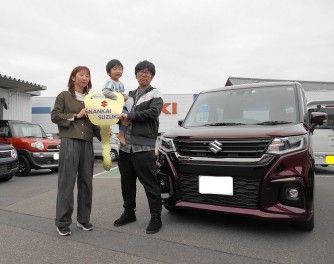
x,y
253,85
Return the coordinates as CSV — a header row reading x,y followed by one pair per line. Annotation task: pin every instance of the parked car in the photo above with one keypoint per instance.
x,y
8,162
323,136
114,147
35,149
243,150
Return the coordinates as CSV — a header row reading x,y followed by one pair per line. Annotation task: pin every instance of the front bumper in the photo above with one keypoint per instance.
x,y
258,184
44,160
8,169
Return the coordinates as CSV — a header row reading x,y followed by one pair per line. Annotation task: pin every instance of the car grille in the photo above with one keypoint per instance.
x,y
5,154
245,192
8,167
52,148
229,148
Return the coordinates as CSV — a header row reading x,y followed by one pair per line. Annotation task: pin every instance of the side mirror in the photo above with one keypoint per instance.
x,y
317,118
180,122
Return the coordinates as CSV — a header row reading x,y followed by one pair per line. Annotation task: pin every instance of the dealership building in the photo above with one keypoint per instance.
x,y
15,98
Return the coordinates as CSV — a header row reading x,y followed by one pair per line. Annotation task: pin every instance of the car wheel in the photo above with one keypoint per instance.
x,y
113,155
307,225
171,209
6,178
54,169
24,166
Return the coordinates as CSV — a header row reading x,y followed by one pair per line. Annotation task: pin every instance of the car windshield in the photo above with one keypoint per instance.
x,y
244,106
28,130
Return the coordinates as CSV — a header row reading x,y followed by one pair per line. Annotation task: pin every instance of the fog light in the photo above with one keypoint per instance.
x,y
293,194
162,183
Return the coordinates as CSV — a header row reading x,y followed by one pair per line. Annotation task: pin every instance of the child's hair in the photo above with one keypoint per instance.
x,y
111,64
145,65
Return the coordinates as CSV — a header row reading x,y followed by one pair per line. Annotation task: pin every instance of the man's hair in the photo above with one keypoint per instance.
x,y
111,64
145,65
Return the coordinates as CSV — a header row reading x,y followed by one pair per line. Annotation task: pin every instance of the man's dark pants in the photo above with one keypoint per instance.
x,y
139,165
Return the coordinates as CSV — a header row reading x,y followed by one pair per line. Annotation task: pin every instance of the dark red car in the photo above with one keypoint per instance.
x,y
243,150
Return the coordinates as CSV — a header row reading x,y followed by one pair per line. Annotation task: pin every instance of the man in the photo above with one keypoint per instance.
x,y
137,158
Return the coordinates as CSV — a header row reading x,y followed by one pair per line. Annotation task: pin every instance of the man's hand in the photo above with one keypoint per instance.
x,y
123,116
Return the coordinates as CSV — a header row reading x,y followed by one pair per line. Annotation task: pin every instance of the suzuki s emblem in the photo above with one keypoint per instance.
x,y
104,103
215,146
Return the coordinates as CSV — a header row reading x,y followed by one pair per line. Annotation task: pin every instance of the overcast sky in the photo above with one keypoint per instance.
x,y
194,44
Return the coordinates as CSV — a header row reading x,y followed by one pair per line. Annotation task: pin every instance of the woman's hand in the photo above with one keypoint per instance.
x,y
83,113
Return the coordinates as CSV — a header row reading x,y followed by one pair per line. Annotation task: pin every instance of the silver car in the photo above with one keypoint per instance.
x,y
114,145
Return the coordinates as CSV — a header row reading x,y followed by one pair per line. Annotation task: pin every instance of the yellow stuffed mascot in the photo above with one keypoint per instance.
x,y
104,112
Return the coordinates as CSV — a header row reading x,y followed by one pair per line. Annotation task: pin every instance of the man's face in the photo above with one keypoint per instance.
x,y
144,78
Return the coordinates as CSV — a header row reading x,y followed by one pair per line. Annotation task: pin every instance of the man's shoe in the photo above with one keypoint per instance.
x,y
126,218
64,231
86,226
154,225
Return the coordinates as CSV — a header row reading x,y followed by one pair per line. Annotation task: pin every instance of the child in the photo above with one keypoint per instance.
x,y
115,70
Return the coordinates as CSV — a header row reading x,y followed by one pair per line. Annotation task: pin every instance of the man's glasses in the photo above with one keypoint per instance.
x,y
144,72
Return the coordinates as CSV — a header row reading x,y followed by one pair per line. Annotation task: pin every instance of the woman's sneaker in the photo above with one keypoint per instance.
x,y
64,231
86,226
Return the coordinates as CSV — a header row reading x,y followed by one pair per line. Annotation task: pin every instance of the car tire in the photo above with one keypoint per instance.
x,y
54,169
169,208
113,155
24,166
307,225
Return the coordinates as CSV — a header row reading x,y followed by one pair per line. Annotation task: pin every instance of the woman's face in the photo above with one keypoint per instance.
x,y
81,79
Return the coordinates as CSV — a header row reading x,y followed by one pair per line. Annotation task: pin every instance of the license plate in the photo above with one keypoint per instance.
x,y
56,156
215,185
330,159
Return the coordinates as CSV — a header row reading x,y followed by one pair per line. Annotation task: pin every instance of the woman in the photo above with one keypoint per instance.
x,y
76,156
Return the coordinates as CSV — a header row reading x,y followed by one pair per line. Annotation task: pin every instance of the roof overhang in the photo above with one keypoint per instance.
x,y
19,85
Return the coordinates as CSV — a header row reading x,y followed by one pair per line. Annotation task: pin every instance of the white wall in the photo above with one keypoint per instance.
x,y
175,108
18,105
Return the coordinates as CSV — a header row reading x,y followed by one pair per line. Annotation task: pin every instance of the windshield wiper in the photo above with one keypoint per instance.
x,y
225,124
273,123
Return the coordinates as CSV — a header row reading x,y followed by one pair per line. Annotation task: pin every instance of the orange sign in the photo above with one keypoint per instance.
x,y
169,108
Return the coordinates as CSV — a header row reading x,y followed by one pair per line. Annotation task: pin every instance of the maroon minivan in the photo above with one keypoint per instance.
x,y
244,150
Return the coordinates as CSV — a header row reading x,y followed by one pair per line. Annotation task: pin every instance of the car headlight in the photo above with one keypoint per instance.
x,y
167,144
39,145
13,153
285,145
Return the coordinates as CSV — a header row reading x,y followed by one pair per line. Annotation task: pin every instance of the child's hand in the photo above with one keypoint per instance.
x,y
126,97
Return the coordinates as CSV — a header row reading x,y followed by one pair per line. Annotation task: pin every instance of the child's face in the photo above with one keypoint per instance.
x,y
116,72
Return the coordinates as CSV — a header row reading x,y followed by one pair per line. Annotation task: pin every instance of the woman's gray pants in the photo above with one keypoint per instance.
x,y
76,162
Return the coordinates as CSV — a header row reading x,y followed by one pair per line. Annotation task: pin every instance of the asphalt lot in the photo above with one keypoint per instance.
x,y
28,233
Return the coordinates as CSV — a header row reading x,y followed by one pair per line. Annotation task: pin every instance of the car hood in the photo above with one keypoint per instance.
x,y
244,131
45,141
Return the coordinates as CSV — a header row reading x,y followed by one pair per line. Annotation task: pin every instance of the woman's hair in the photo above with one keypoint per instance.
x,y
145,65
71,86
